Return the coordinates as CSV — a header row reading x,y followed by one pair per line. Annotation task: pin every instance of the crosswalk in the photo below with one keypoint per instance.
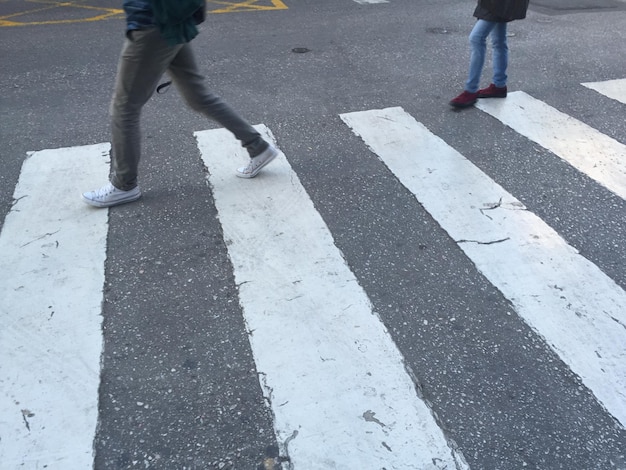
x,y
52,256
336,347
522,256
614,89
589,151
341,392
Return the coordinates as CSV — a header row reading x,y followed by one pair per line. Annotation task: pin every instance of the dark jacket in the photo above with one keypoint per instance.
x,y
176,19
501,10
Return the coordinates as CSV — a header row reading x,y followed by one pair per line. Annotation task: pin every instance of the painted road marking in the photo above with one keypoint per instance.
x,y
244,5
563,296
337,385
78,12
586,149
614,89
365,2
88,14
52,253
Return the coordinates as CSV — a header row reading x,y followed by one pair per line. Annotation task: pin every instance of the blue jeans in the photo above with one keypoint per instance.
x,y
500,50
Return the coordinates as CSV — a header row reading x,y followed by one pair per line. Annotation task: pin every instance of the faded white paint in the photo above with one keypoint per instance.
x,y
337,385
571,303
614,89
586,149
52,253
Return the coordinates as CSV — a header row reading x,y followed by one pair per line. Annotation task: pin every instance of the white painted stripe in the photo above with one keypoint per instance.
x,y
586,149
366,2
52,253
614,89
337,385
564,297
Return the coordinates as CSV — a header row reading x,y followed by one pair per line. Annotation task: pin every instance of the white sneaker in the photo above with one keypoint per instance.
x,y
258,162
108,196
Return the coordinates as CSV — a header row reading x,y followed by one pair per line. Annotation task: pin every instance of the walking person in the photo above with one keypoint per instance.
x,y
157,42
493,16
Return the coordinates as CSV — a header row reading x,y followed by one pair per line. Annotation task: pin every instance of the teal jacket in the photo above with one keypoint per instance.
x,y
176,19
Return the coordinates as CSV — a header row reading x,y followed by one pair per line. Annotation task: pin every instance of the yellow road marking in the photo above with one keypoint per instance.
x,y
102,13
246,5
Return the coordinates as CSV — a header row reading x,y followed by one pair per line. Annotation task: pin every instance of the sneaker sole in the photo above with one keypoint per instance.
x,y
464,105
110,204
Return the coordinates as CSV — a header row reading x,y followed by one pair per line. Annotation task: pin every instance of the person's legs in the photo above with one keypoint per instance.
x,y
478,43
143,60
191,84
500,55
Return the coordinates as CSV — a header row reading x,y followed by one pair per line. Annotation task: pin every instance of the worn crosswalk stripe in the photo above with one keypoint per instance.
x,y
52,253
614,89
337,385
567,299
586,149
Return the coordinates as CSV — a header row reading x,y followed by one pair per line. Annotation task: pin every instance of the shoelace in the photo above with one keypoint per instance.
x,y
105,191
250,167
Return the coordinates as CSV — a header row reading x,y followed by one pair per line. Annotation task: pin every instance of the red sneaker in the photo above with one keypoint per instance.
x,y
464,100
492,91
